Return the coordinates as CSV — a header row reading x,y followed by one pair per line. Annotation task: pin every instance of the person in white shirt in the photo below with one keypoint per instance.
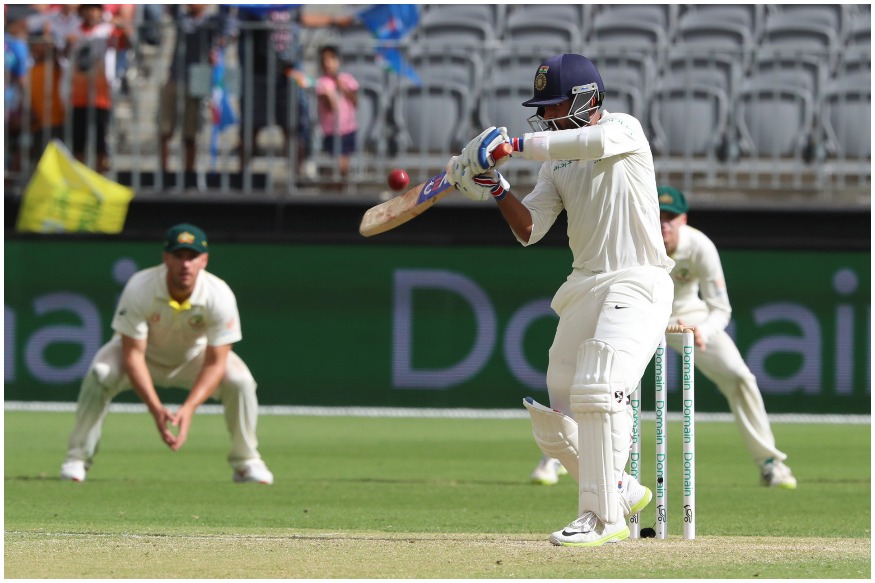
x,y
701,300
615,304
174,326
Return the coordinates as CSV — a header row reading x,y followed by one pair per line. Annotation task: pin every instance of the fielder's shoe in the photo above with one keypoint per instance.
x,y
253,471
635,496
589,531
73,470
547,471
777,475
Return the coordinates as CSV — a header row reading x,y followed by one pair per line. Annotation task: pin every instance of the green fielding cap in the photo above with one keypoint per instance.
x,y
672,200
185,236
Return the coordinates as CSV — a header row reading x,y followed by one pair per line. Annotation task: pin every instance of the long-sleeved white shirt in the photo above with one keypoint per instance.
x,y
698,272
603,177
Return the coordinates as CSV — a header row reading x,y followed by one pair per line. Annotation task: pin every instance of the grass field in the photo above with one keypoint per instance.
x,y
412,498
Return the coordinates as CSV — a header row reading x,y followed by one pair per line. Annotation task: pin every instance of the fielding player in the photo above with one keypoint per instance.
x,y
698,272
174,327
614,306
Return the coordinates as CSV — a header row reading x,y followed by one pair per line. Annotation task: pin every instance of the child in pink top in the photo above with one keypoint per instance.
x,y
338,98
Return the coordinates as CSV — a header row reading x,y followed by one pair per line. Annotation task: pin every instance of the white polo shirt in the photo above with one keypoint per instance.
x,y
177,336
607,186
698,271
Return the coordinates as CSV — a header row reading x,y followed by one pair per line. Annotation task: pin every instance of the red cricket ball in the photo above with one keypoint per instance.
x,y
398,179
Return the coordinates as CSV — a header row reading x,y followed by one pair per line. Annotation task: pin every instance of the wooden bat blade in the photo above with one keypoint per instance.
x,y
397,211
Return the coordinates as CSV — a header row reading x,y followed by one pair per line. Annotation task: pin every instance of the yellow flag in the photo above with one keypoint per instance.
x,y
65,196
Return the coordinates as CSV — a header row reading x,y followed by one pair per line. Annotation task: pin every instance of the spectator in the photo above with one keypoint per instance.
x,y
122,15
59,22
17,63
46,103
338,98
92,57
269,43
199,36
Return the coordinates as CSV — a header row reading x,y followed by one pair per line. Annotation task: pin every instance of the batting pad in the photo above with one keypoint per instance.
x,y
598,402
555,434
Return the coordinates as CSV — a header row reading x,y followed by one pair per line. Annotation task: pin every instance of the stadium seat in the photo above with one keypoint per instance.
x,y
553,28
628,78
689,119
847,114
702,31
432,118
445,28
617,28
774,119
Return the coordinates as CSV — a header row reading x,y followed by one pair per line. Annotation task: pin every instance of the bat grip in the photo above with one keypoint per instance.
x,y
501,151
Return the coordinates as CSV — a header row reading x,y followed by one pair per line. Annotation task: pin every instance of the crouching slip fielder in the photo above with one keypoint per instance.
x,y
614,306
699,273
174,327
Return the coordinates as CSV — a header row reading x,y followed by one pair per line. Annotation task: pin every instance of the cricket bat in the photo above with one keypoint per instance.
x,y
397,211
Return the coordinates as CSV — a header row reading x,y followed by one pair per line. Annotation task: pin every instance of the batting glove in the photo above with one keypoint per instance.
x,y
478,153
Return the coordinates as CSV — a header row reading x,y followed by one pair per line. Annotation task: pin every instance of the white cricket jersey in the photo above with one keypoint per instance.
x,y
607,186
175,337
698,272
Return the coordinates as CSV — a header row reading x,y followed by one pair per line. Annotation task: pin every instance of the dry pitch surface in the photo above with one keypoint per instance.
x,y
381,555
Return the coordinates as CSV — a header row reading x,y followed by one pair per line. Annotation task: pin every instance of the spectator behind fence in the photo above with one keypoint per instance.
x,y
337,92
199,35
16,64
123,16
58,22
92,62
269,37
46,104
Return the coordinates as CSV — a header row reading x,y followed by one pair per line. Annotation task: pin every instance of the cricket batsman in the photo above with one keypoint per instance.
x,y
615,304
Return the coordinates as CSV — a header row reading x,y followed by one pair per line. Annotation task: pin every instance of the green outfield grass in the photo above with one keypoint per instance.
x,y
412,498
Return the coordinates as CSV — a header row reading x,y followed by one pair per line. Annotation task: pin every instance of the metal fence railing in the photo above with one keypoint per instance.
x,y
788,121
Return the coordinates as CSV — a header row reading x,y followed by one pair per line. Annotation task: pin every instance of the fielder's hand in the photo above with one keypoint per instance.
x,y
477,155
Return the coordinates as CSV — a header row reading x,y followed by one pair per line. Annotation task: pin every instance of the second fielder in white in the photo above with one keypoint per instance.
x,y
701,300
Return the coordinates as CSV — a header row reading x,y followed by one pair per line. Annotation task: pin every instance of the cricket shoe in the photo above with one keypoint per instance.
x,y
589,531
253,471
634,496
547,471
776,474
73,471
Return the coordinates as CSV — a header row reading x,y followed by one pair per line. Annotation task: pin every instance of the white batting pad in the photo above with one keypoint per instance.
x,y
555,434
598,401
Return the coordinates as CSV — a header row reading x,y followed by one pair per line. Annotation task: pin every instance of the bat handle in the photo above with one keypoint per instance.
x,y
501,151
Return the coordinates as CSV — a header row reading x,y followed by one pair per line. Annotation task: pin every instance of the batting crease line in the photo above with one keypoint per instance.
x,y
411,412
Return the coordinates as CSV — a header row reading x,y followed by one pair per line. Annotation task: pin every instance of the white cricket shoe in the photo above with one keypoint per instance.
x,y
547,471
73,470
776,474
589,531
253,471
634,496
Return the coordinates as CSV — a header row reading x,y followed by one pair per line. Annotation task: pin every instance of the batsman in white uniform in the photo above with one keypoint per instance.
x,y
614,306
701,300
174,326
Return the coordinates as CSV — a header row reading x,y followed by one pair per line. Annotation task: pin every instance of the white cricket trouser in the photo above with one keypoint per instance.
x,y
106,378
627,309
586,305
722,363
